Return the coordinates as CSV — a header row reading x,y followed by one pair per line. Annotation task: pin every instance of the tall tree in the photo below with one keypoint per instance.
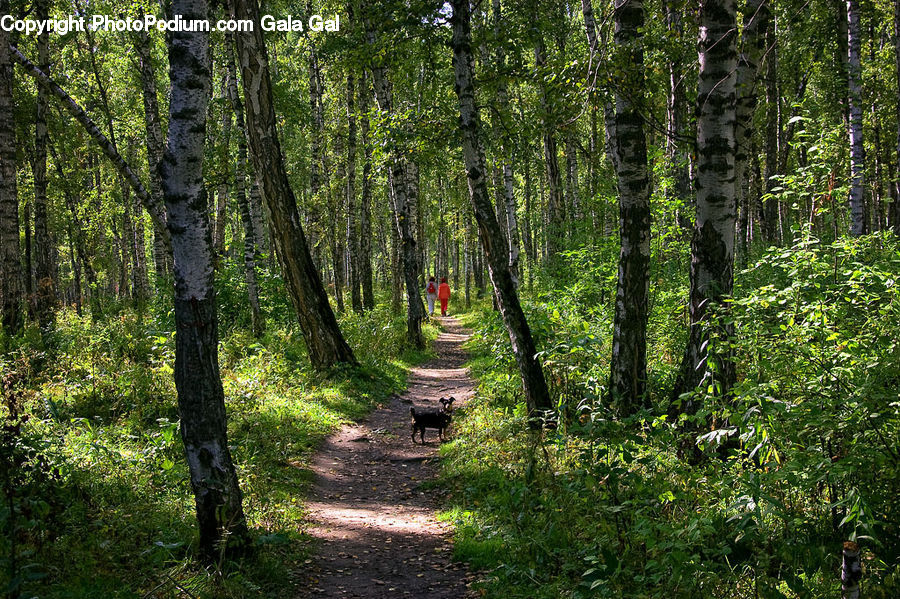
x,y
628,378
323,337
712,245
251,240
10,265
537,396
857,149
162,251
350,189
402,198
201,399
895,212
45,293
365,223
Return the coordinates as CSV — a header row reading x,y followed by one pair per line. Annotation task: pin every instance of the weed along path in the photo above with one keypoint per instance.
x,y
374,522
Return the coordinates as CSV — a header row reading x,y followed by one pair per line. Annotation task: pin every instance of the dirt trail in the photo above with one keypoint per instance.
x,y
376,527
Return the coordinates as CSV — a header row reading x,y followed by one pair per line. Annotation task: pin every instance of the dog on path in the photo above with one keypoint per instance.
x,y
439,419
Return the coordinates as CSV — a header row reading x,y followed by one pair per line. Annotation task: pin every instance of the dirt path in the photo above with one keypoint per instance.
x,y
376,525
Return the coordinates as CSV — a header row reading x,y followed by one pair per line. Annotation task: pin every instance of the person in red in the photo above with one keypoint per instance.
x,y
444,295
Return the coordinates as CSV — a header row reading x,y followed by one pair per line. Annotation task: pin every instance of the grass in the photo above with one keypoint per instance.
x,y
101,506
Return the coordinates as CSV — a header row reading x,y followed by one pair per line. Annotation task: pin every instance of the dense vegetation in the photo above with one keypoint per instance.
x,y
673,226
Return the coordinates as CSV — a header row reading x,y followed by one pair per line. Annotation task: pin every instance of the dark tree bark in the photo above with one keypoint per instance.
x,y
895,208
324,340
712,246
628,379
10,264
251,241
537,396
45,292
201,399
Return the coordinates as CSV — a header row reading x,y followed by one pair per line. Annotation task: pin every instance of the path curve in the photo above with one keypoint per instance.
x,y
376,526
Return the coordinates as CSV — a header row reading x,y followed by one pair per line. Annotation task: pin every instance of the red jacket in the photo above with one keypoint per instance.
x,y
444,291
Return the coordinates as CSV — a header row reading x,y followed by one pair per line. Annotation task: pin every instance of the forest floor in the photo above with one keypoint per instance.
x,y
372,510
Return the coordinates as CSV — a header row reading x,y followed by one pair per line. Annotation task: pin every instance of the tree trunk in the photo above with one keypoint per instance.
x,y
122,168
628,379
895,208
851,571
162,250
402,203
857,150
365,224
251,241
753,42
712,246
676,155
10,265
45,296
201,399
353,230
537,396
324,341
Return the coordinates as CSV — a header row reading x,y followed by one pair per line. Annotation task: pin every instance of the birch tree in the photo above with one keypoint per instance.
x,y
324,340
201,399
537,396
712,245
628,377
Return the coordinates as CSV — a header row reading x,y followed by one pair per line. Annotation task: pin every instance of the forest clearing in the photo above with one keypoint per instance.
x,y
421,298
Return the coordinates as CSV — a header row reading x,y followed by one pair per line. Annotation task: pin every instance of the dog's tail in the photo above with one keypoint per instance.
x,y
412,412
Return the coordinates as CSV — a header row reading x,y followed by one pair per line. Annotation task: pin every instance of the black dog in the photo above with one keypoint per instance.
x,y
439,419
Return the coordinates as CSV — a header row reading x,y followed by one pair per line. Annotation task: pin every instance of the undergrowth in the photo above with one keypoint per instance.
x,y
96,497
804,455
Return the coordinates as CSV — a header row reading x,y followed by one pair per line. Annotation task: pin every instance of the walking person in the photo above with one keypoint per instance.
x,y
431,293
444,295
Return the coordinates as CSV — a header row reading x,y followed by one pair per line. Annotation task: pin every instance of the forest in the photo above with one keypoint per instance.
x,y
671,234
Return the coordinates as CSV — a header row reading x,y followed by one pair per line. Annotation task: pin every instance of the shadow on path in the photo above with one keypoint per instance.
x,y
376,526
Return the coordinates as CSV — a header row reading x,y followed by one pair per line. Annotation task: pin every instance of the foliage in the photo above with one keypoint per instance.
x,y
751,496
96,500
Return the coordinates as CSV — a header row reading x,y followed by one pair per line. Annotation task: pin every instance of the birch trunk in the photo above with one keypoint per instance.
x,y
628,379
537,396
251,240
10,265
857,150
402,203
122,168
324,341
676,155
712,246
753,43
162,250
201,399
